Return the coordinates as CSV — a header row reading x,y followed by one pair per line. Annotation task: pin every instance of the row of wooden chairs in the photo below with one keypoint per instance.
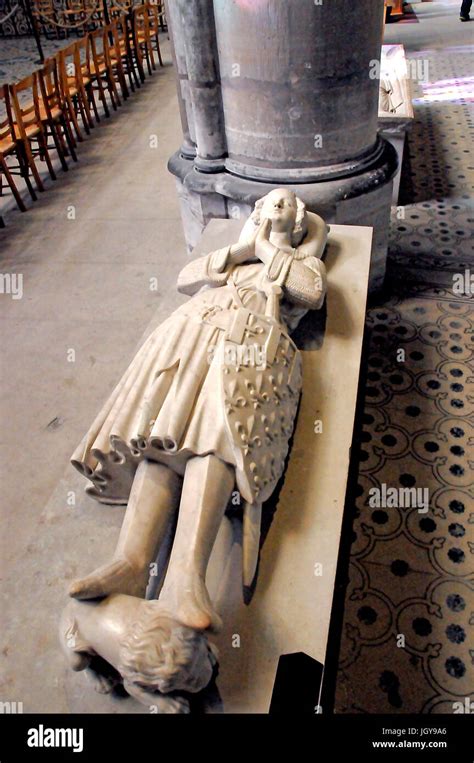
x,y
82,16
43,110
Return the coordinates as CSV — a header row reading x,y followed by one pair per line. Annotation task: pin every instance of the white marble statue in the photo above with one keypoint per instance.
x,y
390,96
206,407
160,661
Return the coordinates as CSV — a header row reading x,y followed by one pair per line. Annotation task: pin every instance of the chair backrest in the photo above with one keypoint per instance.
x,y
99,41
155,12
69,76
117,11
45,7
96,39
6,125
120,23
48,78
26,112
83,54
114,40
141,18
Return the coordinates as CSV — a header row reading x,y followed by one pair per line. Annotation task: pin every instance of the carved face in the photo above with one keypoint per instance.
x,y
191,676
162,654
279,206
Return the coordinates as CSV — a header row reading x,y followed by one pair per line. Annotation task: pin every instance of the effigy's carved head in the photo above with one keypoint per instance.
x,y
286,211
160,653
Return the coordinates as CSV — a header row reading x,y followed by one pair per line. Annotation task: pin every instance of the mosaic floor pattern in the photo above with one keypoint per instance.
x,y
408,630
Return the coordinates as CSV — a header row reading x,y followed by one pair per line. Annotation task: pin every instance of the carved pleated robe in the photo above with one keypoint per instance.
x,y
218,376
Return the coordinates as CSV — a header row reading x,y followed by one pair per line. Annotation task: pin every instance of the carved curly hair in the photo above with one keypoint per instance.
x,y
301,225
158,651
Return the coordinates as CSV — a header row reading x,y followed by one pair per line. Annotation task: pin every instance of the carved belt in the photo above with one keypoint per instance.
x,y
242,325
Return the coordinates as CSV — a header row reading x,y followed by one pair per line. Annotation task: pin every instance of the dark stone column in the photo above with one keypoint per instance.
x,y
281,94
188,146
298,100
197,41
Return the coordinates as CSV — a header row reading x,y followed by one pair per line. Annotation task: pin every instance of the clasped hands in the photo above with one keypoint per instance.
x,y
258,246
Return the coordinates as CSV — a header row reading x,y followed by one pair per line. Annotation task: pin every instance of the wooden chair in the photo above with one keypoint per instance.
x,y
123,37
155,21
162,15
73,14
28,126
84,63
9,145
142,39
126,25
119,57
73,90
101,70
53,111
44,11
393,10
117,11
94,15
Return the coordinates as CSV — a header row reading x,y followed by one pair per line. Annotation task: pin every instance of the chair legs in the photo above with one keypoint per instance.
x,y
26,150
146,52
101,91
67,133
133,78
71,108
84,111
5,170
25,173
120,75
148,55
112,88
91,101
139,62
158,50
59,145
43,151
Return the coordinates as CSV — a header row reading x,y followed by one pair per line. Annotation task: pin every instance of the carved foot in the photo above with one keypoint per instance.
x,y
117,577
193,605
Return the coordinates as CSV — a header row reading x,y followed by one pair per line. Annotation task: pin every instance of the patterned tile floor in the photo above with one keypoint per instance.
x,y
408,635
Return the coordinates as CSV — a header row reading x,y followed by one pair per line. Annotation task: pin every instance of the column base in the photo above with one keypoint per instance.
x,y
359,199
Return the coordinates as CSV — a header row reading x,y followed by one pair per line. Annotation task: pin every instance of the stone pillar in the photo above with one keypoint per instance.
x,y
282,95
188,146
197,44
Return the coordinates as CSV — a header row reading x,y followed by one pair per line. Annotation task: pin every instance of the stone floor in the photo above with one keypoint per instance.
x,y
19,56
87,251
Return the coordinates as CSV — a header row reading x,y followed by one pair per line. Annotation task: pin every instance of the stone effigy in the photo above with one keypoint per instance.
x,y
206,407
